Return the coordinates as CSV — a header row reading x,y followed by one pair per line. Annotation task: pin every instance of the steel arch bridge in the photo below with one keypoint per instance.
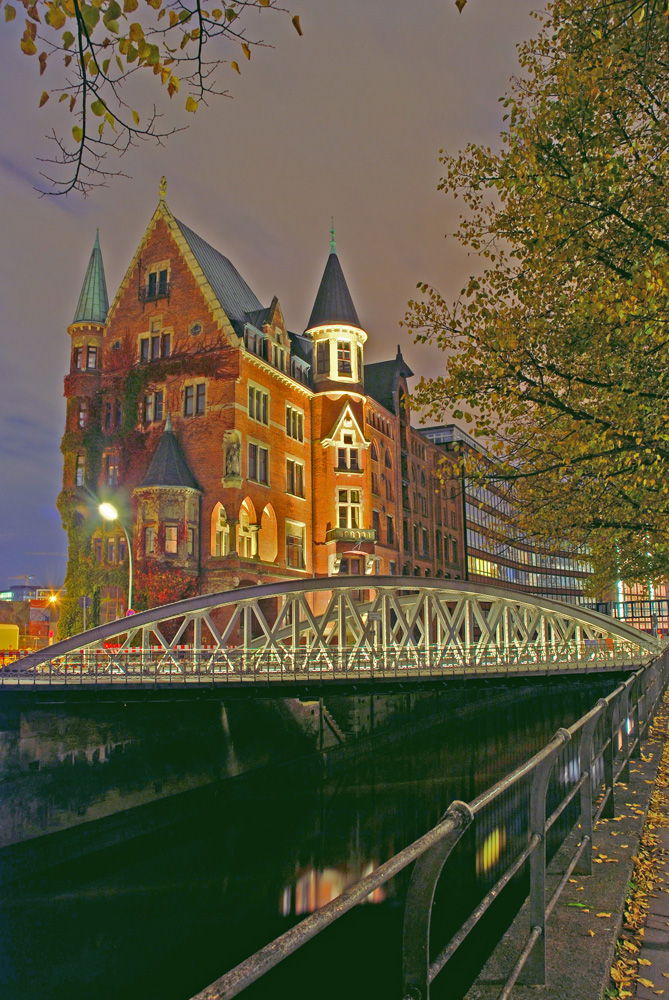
x,y
333,629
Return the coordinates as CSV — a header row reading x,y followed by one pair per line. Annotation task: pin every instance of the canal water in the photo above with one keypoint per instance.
x,y
146,849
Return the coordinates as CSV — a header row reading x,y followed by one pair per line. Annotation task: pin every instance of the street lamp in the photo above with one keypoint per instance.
x,y
110,513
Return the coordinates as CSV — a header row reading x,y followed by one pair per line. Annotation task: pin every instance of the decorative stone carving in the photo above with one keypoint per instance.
x,y
232,459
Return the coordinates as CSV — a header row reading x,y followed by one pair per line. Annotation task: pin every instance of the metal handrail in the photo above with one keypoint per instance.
x,y
639,696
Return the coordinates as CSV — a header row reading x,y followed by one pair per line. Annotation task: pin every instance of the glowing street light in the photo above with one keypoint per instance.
x,y
109,512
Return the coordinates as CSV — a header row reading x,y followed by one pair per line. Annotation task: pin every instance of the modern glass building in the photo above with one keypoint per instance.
x,y
497,551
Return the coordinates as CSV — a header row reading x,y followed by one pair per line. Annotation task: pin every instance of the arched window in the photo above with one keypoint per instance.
x,y
220,531
247,530
389,461
373,453
267,536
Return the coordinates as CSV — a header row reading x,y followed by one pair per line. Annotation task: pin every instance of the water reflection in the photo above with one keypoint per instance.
x,y
184,872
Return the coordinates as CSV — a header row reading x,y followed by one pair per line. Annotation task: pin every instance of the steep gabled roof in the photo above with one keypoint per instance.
x,y
333,301
168,466
382,379
226,282
93,304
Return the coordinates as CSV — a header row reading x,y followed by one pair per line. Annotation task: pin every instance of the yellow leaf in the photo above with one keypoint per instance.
x,y
646,982
44,98
460,4
643,961
591,933
28,46
135,117
217,13
191,104
77,133
246,50
136,32
129,6
10,12
234,66
264,3
297,25
603,914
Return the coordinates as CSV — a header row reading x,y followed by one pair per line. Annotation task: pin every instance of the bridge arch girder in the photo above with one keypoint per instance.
x,y
360,619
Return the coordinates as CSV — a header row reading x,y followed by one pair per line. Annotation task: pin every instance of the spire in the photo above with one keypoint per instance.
x,y
333,302
333,245
169,466
93,304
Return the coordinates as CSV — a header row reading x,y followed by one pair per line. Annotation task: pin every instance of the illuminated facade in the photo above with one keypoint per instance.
x,y
237,451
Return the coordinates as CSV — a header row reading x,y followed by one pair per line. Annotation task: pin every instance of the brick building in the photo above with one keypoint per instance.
x,y
235,450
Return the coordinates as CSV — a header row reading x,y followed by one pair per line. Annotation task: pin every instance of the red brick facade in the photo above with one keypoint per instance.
x,y
298,474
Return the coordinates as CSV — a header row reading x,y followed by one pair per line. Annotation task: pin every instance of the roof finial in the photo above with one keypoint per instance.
x,y
162,188
333,245
168,421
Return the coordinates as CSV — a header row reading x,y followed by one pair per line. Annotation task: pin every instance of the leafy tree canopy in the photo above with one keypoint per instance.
x,y
95,47
558,349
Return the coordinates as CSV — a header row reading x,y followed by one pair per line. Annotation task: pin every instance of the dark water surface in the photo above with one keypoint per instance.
x,y
146,849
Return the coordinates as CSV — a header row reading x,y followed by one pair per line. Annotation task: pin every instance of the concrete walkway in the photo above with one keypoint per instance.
x,y
587,921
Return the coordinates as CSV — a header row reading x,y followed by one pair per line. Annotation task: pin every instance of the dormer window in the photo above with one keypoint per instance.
x,y
157,283
348,455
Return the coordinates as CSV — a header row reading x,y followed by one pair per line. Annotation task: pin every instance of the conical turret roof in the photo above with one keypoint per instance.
x,y
333,302
169,466
93,304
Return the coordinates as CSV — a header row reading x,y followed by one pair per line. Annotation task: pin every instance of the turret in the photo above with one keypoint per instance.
x,y
335,331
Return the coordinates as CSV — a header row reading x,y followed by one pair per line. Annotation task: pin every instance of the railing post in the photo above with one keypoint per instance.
x,y
624,701
418,906
535,967
585,752
608,812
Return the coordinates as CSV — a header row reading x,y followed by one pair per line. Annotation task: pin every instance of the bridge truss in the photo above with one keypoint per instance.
x,y
338,628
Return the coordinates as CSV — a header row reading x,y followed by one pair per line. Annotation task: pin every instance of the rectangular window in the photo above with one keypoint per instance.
x,y
348,457
78,358
447,554
158,405
189,397
144,349
376,523
390,530
405,535
148,409
295,536
454,546
162,282
426,542
200,398
83,411
323,358
166,345
118,412
111,470
258,465
91,357
153,277
392,568
155,325
155,348
80,471
415,538
191,541
375,483
453,519
349,508
171,539
389,489
97,549
294,424
294,478
258,405
149,541
121,550
344,357
111,550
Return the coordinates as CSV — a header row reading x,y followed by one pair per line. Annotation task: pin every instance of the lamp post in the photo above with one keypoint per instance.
x,y
109,513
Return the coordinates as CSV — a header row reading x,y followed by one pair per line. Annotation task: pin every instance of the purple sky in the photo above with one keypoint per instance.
x,y
346,121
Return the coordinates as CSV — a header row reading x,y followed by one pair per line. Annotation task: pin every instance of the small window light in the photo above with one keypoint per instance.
x,y
116,346
195,329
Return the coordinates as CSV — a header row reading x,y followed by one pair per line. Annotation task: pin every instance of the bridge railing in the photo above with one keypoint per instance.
x,y
158,665
601,744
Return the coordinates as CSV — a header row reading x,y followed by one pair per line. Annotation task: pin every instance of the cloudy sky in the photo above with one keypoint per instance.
x,y
346,121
